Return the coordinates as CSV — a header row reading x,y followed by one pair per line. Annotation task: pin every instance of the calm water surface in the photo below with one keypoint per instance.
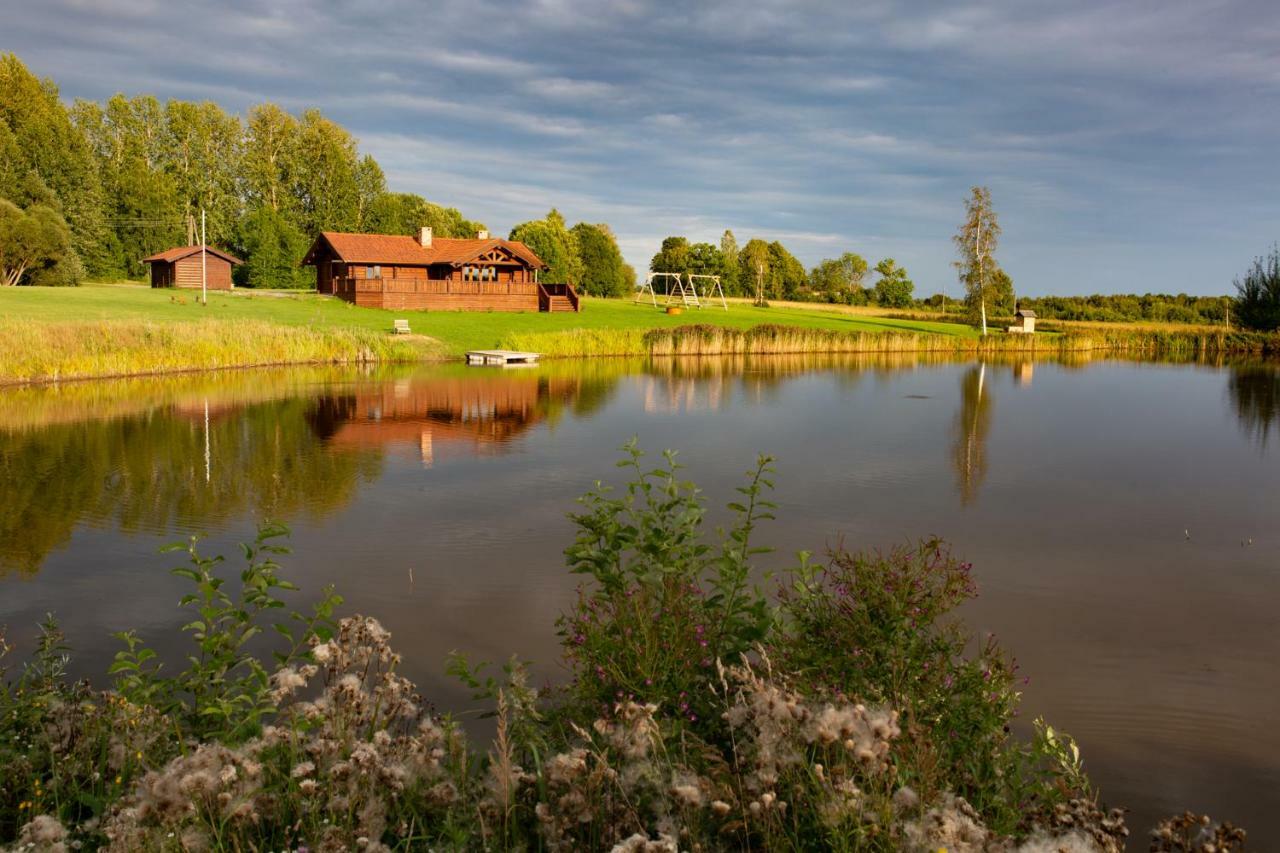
x,y
1121,517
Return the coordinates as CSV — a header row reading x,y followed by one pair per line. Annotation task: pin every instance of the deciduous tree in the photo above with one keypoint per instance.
x,y
53,164
729,254
753,267
976,242
272,248
672,257
840,279
604,272
554,244
1257,304
30,240
893,289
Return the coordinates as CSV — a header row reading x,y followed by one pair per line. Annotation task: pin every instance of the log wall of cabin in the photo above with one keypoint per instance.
x,y
186,273
420,293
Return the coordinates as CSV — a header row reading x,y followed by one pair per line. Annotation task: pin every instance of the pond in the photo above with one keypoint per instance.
x,y
1121,517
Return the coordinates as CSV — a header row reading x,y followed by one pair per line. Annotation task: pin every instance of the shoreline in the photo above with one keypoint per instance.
x,y
87,350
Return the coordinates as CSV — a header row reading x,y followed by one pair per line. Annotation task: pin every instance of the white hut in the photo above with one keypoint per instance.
x,y
1025,322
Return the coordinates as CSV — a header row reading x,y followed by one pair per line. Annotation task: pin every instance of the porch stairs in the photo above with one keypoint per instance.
x,y
558,297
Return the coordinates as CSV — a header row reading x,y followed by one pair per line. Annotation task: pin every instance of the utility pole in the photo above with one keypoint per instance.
x,y
204,272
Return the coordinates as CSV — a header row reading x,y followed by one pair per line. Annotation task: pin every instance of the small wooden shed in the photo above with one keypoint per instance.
x,y
1024,322
180,267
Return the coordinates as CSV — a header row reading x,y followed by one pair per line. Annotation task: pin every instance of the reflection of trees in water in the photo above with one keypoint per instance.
x,y
1255,393
970,431
148,472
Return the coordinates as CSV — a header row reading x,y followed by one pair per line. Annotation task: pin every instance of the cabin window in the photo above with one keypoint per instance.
x,y
373,272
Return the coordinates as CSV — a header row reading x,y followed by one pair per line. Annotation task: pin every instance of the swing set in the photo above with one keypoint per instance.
x,y
682,289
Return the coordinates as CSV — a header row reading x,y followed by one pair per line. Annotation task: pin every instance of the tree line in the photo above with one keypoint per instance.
x,y
88,190
767,270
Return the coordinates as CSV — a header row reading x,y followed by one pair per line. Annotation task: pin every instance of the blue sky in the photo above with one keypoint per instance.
x,y
1129,146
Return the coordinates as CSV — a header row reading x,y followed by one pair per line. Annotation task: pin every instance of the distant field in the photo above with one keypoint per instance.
x,y
456,331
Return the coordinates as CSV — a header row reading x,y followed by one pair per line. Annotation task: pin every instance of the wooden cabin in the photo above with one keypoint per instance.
x,y
180,267
435,273
1024,322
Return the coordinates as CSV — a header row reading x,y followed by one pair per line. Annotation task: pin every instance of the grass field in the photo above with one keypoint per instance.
x,y
456,331
122,329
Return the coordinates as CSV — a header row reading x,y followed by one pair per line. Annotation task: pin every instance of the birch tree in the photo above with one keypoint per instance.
x,y
976,242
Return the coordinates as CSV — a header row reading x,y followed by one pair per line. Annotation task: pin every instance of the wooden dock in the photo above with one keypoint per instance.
x,y
501,357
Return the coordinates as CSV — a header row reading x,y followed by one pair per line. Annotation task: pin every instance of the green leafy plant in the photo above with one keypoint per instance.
x,y
224,691
664,604
878,627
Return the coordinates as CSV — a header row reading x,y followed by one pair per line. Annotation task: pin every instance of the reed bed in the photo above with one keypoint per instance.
x,y
37,352
773,339
579,343
703,340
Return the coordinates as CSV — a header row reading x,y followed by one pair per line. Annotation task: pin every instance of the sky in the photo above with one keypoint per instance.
x,y
1128,146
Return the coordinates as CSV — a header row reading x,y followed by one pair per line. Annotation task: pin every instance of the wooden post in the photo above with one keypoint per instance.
x,y
204,281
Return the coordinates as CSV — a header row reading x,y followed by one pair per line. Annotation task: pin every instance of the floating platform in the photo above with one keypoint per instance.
x,y
501,356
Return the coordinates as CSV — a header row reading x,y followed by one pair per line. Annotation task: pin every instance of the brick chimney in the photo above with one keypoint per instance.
x,y
424,236
482,235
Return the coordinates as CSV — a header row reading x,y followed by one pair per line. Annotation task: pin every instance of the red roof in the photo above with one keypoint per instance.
x,y
407,251
170,255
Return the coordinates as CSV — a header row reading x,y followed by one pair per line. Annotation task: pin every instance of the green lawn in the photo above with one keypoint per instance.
x,y
457,331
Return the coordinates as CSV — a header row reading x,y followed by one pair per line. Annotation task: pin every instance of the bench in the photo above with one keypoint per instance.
x,y
400,327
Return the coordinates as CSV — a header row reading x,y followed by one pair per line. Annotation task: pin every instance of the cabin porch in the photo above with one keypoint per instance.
x,y
421,294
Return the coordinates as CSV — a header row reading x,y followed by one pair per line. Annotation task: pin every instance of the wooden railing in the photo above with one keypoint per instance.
x,y
444,287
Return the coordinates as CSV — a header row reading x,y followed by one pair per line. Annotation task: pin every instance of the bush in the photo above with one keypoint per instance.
x,y
1258,294
665,605
877,627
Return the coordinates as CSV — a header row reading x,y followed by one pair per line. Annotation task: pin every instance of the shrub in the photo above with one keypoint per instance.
x,y
1258,294
877,627
225,690
663,604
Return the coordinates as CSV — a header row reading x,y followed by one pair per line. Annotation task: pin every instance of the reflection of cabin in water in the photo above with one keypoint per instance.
x,y
437,273
485,413
1024,322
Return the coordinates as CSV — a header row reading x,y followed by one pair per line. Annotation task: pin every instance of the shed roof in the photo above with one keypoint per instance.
x,y
394,249
1025,312
168,256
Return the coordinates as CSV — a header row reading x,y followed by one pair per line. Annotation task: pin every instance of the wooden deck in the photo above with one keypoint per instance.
x,y
501,356
429,294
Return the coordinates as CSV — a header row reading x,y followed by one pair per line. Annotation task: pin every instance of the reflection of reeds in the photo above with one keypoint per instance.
x,y
42,351
709,340
43,405
767,340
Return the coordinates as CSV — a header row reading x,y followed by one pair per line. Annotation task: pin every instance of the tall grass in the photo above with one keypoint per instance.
x,y
702,340
579,343
772,339
36,351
